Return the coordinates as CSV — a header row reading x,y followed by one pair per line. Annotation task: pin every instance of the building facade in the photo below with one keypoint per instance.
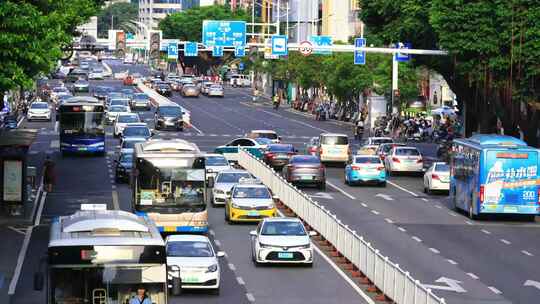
x,y
152,11
340,19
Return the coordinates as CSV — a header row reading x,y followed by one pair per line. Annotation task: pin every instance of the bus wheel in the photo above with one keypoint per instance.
x,y
530,218
472,216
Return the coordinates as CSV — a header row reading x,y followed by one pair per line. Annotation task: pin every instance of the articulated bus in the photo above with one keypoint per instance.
x,y
103,256
494,174
81,125
169,185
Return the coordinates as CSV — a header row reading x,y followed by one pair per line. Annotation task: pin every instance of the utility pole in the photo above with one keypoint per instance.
x,y
253,18
298,21
278,16
112,22
287,22
395,73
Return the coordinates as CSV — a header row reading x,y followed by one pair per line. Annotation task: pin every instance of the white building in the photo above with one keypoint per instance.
x,y
152,11
90,28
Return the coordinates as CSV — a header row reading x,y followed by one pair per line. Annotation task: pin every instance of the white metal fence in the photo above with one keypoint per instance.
x,y
393,281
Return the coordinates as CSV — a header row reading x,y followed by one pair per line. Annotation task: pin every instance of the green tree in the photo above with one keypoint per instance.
x,y
119,16
33,34
493,49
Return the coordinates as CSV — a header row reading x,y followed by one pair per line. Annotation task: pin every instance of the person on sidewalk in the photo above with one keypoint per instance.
x,y
49,174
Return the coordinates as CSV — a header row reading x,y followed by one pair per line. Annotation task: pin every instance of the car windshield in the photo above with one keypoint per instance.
x,y
367,160
140,96
304,160
39,106
251,192
128,118
407,152
126,157
266,135
283,228
378,141
130,144
189,249
121,102
232,177
170,111
263,141
442,168
216,161
334,140
281,148
118,109
137,131
97,71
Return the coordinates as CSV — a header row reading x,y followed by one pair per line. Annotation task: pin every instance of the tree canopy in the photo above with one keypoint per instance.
x,y
33,34
117,14
493,53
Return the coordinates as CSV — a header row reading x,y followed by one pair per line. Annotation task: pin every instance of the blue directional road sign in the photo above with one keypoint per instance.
x,y
403,57
172,50
279,45
191,49
224,33
359,56
217,51
241,66
321,44
239,51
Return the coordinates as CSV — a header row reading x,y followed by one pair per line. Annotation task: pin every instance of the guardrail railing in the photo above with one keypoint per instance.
x,y
388,277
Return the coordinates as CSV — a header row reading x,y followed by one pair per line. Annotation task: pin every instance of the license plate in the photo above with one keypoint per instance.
x,y
190,279
82,149
253,213
510,209
307,178
285,255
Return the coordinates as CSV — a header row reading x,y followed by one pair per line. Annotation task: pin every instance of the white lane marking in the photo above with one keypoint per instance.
x,y
384,196
402,229
218,243
20,121
469,223
116,205
525,252
416,239
495,290
434,250
364,205
485,231
425,199
452,213
438,206
212,232
20,261
232,267
506,241
340,190
55,144
340,272
375,212
296,121
389,221
240,281
250,297
197,129
452,262
16,230
472,275
37,221
402,189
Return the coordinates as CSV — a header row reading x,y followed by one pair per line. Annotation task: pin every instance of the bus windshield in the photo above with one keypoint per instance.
x,y
82,123
170,182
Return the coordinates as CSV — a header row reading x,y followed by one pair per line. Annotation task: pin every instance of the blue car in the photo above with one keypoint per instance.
x,y
253,146
365,169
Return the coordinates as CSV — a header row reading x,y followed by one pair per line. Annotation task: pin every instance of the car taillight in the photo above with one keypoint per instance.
x,y
481,194
395,159
435,176
380,168
420,160
312,150
320,151
355,167
270,154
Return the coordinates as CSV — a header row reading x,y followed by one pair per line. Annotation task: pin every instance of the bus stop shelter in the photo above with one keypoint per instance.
x,y
15,176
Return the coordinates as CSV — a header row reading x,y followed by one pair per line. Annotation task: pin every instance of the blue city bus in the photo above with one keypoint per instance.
x,y
81,125
494,174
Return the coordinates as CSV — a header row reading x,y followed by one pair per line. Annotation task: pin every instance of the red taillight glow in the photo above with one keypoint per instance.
x,y
320,151
481,194
420,160
435,176
269,154
381,168
355,167
395,159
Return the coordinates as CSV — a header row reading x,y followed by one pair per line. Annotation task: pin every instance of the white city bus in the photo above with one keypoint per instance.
x,y
103,256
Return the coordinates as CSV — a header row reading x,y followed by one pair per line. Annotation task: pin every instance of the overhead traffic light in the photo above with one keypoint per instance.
x,y
120,43
155,40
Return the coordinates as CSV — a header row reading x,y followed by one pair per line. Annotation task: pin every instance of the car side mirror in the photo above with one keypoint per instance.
x,y
253,233
210,182
39,281
220,254
275,198
313,233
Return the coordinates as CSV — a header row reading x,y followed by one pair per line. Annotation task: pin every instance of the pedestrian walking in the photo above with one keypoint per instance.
x,y
49,174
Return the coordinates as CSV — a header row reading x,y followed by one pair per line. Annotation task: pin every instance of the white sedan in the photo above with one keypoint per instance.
x,y
197,260
122,120
437,178
404,159
281,240
39,110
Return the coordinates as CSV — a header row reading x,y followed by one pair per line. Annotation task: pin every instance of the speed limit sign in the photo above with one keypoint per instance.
x,y
305,48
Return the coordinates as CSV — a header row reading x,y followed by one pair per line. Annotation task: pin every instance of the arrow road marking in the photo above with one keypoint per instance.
x,y
451,285
384,196
532,283
323,195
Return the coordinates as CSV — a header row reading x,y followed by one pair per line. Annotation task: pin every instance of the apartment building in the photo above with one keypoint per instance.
x,y
152,11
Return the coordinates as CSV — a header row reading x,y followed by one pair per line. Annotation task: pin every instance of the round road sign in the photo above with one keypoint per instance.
x,y
306,48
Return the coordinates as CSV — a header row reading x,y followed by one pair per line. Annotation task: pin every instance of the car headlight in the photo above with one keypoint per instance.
x,y
235,206
212,268
265,245
307,246
217,191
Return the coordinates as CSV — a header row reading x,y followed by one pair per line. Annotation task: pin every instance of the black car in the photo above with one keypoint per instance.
x,y
169,116
123,166
75,75
101,92
164,89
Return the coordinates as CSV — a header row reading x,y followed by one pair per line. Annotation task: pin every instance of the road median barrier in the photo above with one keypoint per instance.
x,y
368,265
